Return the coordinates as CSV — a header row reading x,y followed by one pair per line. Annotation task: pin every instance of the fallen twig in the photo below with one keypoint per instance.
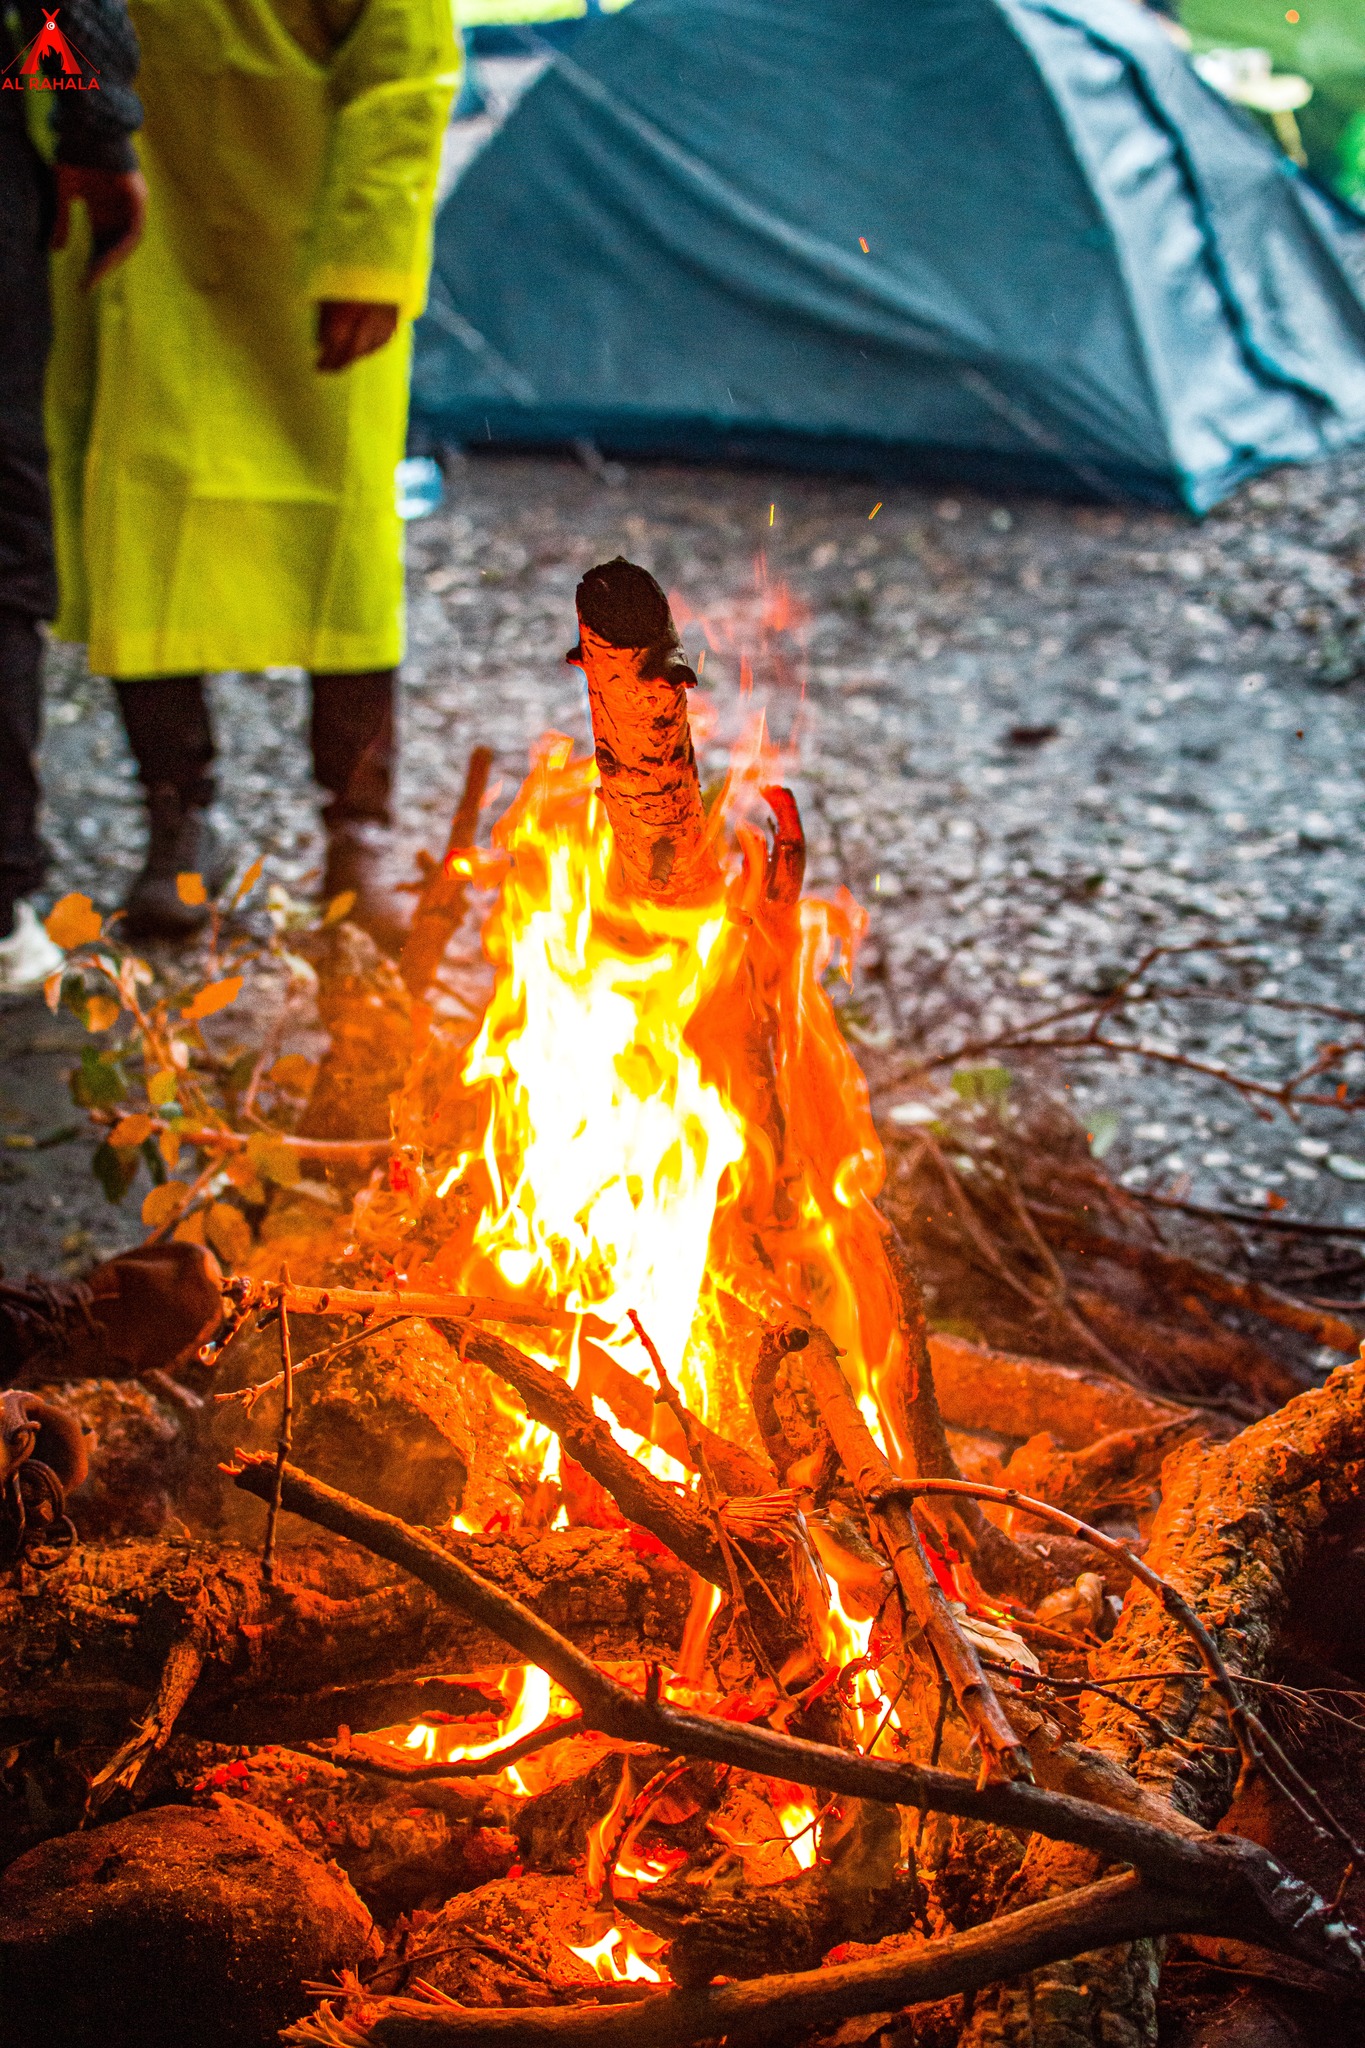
x,y
372,1765
1190,1275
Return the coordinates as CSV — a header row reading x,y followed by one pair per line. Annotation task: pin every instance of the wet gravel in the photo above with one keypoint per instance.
x,y
1034,738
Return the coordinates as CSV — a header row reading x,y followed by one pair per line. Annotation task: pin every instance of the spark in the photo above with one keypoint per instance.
x,y
862,239
772,511
876,509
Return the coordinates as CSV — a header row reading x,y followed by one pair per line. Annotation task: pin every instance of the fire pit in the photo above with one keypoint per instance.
x,y
634,1649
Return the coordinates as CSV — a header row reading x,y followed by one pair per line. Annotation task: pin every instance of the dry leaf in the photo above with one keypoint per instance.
x,y
161,1088
228,1231
100,1013
52,989
273,1159
73,922
247,883
190,889
241,1171
160,1204
169,1146
216,996
339,907
190,1229
131,1131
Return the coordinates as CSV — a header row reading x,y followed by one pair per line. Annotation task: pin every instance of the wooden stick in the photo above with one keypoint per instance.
x,y
785,2007
286,1442
440,907
869,1472
1179,1275
403,1301
1254,1741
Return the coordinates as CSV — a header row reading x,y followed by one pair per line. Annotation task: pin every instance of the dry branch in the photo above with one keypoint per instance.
x,y
783,2007
1234,1532
440,906
1176,1276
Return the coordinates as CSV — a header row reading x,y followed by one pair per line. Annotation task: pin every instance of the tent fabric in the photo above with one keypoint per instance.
x,y
1082,267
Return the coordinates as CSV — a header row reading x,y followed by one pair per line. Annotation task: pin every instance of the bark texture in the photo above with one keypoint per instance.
x,y
637,689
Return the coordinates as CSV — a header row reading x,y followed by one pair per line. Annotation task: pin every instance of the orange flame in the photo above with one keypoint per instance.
x,y
629,1967
652,1090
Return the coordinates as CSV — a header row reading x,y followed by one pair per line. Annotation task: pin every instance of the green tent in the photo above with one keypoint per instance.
x,y
1322,41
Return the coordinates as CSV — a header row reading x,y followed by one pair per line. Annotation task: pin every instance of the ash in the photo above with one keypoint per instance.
x,y
1034,738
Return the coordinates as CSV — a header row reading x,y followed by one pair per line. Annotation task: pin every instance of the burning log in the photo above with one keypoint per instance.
x,y
338,1641
638,678
399,1846
1237,1526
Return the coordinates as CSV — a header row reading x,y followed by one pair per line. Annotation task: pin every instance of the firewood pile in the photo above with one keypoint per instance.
x,y
626,1566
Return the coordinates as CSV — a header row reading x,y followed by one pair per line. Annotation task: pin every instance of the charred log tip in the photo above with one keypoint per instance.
x,y
625,606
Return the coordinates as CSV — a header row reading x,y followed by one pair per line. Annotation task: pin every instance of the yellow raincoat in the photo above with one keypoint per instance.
x,y
219,503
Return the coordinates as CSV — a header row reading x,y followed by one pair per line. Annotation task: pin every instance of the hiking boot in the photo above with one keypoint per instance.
x,y
362,861
28,955
181,841
147,1310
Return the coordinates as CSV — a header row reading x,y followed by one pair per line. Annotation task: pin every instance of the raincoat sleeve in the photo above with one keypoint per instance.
x,y
391,82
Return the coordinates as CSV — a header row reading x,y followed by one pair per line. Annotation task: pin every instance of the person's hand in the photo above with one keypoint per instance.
x,y
116,202
351,328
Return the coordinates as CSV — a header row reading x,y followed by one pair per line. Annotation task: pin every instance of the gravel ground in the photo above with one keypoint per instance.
x,y
1033,737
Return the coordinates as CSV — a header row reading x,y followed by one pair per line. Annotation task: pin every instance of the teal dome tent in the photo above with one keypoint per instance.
x,y
1011,241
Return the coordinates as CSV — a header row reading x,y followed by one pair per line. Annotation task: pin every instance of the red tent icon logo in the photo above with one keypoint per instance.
x,y
50,42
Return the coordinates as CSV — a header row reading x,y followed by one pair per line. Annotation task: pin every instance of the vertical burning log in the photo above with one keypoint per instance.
x,y
638,679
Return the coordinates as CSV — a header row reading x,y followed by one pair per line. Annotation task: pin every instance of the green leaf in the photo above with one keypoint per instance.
x,y
99,1082
156,1165
115,1171
982,1084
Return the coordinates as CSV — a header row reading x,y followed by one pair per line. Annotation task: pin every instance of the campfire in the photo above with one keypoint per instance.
x,y
621,1612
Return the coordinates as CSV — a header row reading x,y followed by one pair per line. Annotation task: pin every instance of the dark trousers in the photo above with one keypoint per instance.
x,y
167,722
28,581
